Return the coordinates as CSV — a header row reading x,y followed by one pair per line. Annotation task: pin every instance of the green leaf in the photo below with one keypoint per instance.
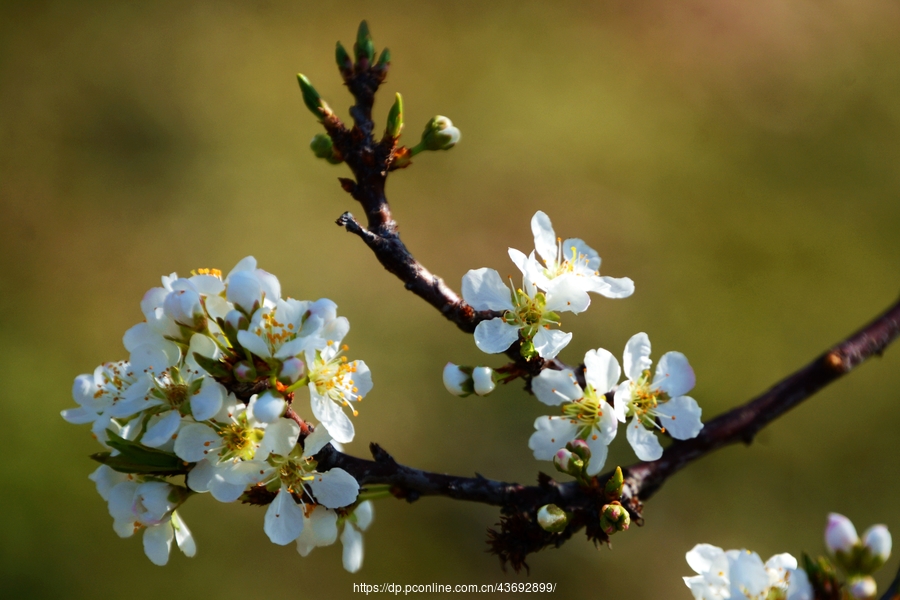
x,y
137,458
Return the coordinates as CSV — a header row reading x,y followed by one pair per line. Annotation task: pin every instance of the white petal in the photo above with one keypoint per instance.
x,y
280,438
248,263
549,342
200,477
268,406
644,441
556,387
208,400
519,259
637,356
270,285
567,293
161,428
544,237
149,358
284,519
334,488
320,529
674,374
197,441
339,425
799,587
612,287
317,440
552,433
362,378
748,574
158,542
106,479
622,398
681,417
183,536
483,289
602,370
244,290
364,513
79,416
599,448
840,534
483,379
704,558
254,344
353,548
495,336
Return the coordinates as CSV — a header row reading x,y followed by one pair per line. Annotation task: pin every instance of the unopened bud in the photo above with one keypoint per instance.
x,y
862,588
244,371
840,534
613,518
364,47
439,134
567,462
292,369
268,406
552,518
237,321
395,118
323,147
343,60
457,381
580,448
877,539
385,58
311,98
614,485
483,380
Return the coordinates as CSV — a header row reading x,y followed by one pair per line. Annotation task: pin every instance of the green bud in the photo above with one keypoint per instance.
x,y
311,98
364,47
568,462
613,518
323,147
552,518
439,134
614,485
580,448
395,118
385,58
343,60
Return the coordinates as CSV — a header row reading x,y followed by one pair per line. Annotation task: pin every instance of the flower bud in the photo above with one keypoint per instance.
x,y
311,98
877,539
342,58
613,518
364,47
292,369
457,381
483,380
580,448
439,134
840,534
244,371
395,118
568,462
552,518
862,588
384,59
268,406
614,485
323,147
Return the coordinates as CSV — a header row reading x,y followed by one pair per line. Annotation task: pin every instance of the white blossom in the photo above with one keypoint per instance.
x,y
663,397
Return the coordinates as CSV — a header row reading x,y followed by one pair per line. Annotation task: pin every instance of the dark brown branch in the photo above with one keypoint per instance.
x,y
645,478
893,591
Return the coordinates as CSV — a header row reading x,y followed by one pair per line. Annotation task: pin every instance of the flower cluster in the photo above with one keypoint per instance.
x,y
558,276
742,575
210,392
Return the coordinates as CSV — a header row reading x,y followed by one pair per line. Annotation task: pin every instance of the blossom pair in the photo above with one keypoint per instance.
x,y
558,282
652,403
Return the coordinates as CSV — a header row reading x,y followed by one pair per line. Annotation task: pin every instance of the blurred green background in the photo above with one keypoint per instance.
x,y
738,160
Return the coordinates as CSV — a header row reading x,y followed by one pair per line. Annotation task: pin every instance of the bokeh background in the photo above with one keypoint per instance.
x,y
738,160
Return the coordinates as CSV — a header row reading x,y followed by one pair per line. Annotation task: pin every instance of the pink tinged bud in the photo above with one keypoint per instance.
x,y
269,407
292,369
483,378
862,588
579,448
562,459
456,381
877,539
840,534
244,371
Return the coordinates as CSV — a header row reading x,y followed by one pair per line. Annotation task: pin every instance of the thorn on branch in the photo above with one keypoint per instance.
x,y
381,455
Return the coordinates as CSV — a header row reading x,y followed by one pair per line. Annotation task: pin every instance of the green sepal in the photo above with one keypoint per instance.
x,y
385,58
614,485
364,47
212,366
136,458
